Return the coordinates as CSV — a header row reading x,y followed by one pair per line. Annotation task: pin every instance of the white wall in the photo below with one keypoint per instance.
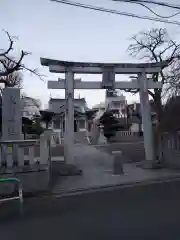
x,y
99,113
134,127
29,108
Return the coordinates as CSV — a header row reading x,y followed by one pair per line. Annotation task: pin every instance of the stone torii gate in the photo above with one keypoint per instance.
x,y
108,71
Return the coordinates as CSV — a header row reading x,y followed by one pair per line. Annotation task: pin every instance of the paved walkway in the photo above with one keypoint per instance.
x,y
97,169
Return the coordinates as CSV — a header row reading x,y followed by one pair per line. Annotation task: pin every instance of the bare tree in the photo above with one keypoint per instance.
x,y
9,65
156,46
13,79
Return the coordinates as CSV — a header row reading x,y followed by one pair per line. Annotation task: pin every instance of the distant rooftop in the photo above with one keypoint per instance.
x,y
99,105
63,99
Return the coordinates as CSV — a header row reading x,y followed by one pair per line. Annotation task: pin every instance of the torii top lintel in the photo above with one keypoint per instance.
x,y
58,66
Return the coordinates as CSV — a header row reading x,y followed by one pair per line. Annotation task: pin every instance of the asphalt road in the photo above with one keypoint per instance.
x,y
143,212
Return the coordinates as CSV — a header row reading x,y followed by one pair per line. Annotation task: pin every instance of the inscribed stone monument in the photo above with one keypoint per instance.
x,y
11,114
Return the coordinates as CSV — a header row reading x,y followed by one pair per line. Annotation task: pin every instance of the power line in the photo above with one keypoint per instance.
x,y
150,9
158,15
112,11
175,6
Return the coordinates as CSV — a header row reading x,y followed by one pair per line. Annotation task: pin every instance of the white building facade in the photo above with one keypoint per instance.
x,y
116,102
57,106
30,107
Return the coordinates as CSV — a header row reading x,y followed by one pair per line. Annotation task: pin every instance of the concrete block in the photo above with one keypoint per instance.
x,y
32,182
117,162
7,189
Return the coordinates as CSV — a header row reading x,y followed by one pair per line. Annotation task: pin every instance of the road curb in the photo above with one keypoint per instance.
x,y
115,143
111,187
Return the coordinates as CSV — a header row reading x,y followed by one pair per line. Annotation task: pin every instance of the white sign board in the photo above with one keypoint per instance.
x,y
11,114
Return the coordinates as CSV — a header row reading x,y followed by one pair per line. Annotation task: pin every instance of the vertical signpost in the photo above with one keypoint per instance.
x,y
11,114
11,122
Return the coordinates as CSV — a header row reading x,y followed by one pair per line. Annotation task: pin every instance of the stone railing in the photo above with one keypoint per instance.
x,y
24,152
27,160
17,153
79,137
56,139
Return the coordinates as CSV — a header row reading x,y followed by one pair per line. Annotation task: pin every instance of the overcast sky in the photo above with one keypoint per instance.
x,y
52,30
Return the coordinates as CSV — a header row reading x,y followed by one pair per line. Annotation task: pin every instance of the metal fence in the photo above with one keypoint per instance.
x,y
127,133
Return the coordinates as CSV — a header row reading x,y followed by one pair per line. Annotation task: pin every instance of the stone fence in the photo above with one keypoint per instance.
x,y
127,134
79,137
56,139
27,160
171,149
24,152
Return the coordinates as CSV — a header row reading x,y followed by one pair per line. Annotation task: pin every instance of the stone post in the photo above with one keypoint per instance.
x,y
69,117
117,162
146,118
44,148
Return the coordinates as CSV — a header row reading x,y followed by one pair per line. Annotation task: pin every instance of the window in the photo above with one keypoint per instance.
x,y
116,104
81,124
89,127
25,113
56,123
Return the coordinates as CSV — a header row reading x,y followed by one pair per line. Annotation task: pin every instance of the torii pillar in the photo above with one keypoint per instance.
x,y
146,118
69,116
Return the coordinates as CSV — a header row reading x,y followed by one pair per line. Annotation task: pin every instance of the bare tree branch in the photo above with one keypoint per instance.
x,y
3,62
20,66
11,42
156,45
12,79
170,45
16,65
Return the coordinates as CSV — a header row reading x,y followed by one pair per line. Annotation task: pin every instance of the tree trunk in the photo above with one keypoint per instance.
x,y
158,106
157,130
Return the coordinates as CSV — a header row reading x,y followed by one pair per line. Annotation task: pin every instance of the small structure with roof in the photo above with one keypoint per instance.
x,y
57,105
